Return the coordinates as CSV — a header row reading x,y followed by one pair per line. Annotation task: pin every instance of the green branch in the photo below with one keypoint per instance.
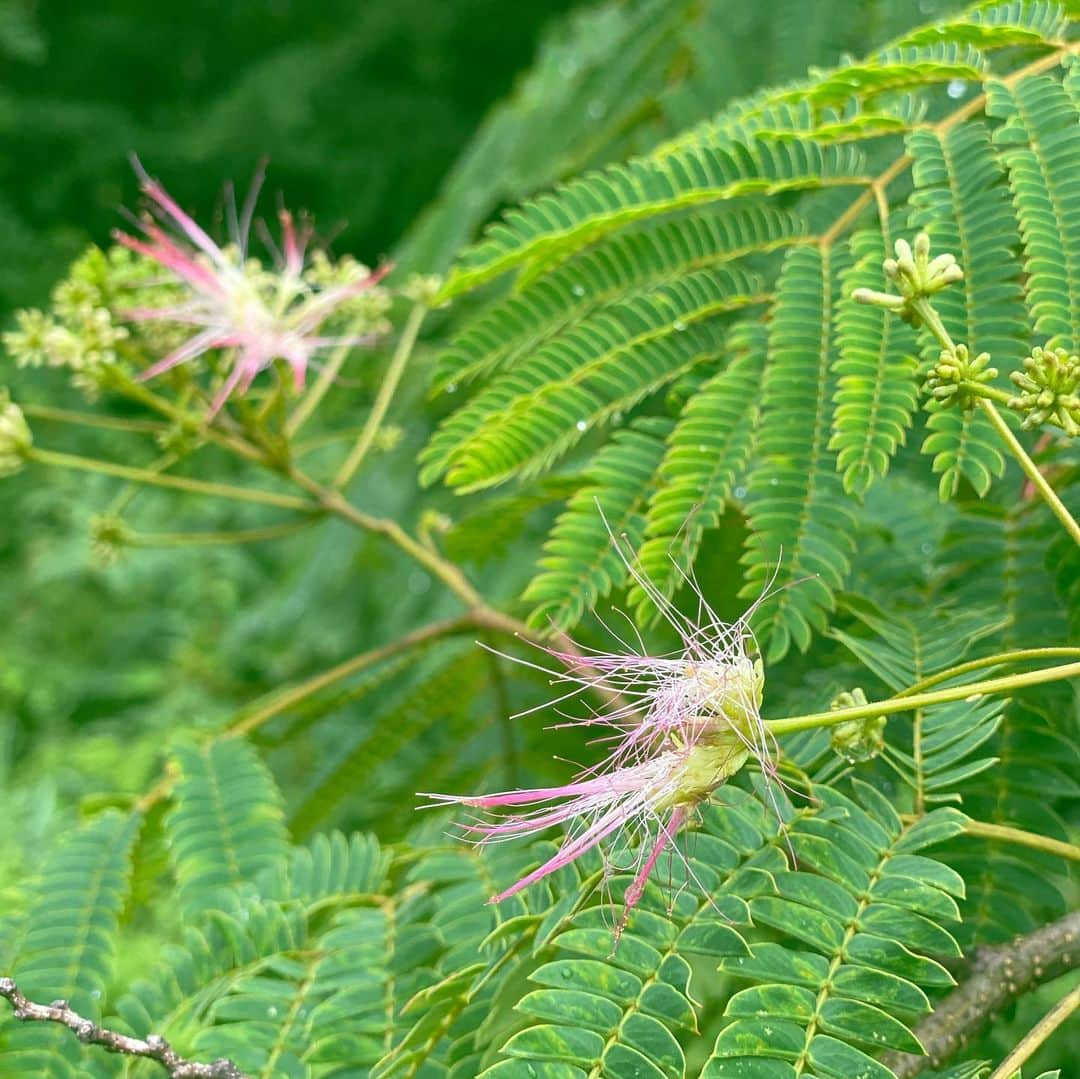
x,y
1031,470
176,483
1038,1034
791,724
385,395
1015,656
211,539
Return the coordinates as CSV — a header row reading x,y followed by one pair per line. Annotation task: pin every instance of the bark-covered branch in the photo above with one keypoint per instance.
x,y
998,975
153,1048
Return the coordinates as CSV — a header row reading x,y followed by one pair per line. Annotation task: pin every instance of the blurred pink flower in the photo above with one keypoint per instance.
x,y
234,303
683,724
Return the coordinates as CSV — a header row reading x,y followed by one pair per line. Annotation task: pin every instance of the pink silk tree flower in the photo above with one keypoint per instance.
x,y
233,302
682,725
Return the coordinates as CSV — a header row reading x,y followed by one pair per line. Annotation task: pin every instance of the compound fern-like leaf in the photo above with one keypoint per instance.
x,y
227,823
800,521
582,562
706,455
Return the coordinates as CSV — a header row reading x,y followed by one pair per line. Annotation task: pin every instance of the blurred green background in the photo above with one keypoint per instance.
x,y
361,108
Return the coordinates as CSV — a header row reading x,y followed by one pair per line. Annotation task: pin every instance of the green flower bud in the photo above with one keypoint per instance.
x,y
916,277
422,288
29,344
15,437
956,377
1049,385
708,765
857,739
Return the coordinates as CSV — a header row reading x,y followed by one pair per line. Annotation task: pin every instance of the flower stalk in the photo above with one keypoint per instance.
x,y
387,389
915,701
177,483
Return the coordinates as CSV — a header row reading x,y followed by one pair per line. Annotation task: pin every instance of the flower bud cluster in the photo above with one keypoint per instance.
x,y
81,331
369,307
916,277
422,288
857,740
956,377
1049,385
15,437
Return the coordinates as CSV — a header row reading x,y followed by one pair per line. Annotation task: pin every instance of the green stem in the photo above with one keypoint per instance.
x,y
327,376
384,397
132,388
1024,839
1038,1034
176,483
992,393
89,419
1031,470
208,539
791,724
1016,656
125,495
334,502
283,700
926,311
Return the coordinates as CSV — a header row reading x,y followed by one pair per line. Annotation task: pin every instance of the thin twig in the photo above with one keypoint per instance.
x,y
1031,470
154,1047
1038,1034
1017,836
176,483
283,700
998,976
211,539
385,395
899,703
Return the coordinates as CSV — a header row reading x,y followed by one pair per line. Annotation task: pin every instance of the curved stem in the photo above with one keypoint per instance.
x,y
283,700
1016,836
385,395
1023,839
327,376
1015,656
1058,507
791,724
1037,1035
176,483
991,393
928,313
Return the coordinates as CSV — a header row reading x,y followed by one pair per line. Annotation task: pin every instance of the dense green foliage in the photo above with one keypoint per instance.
x,y
655,350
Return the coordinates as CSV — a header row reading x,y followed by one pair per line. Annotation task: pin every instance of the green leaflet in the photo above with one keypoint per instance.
x,y
705,456
1040,146
583,557
531,416
583,211
226,824
515,326
65,948
876,390
800,522
962,202
873,982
